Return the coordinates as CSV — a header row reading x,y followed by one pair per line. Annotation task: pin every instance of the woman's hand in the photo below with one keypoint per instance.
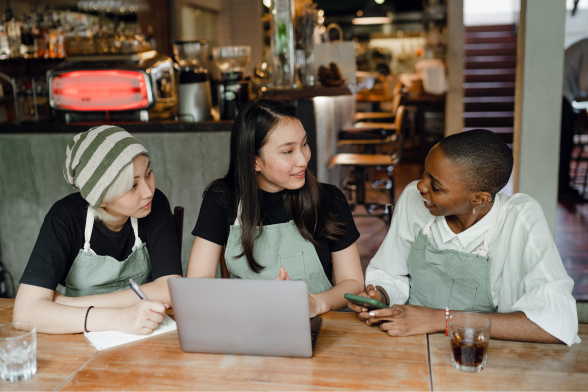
x,y
141,318
360,311
283,275
406,320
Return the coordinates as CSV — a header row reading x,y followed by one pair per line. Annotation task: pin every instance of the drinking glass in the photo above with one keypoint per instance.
x,y
18,351
469,335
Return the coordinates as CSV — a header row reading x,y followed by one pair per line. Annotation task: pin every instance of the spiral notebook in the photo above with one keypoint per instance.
x,y
108,339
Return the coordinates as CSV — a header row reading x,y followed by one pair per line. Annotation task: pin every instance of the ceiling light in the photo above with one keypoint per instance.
x,y
380,1
371,20
372,15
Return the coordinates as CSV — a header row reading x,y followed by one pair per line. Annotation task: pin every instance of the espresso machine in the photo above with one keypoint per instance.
x,y
195,99
233,89
114,87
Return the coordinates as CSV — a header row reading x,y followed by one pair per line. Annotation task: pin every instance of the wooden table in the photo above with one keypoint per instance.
x,y
349,355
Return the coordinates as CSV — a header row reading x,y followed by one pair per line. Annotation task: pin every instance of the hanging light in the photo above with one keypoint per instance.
x,y
267,3
371,16
371,20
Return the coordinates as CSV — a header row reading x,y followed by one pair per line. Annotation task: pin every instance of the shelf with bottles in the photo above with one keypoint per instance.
x,y
56,34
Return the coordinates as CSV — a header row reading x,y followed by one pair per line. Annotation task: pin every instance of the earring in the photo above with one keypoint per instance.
x,y
474,212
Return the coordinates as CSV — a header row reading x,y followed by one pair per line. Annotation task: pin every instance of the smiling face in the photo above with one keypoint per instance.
x,y
443,189
281,163
136,202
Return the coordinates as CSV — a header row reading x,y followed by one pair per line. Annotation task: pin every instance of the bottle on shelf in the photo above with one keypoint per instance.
x,y
13,34
4,48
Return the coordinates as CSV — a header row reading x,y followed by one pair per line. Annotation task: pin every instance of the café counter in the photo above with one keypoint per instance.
x,y
349,355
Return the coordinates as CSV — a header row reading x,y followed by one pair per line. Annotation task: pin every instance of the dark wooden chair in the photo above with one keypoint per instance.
x,y
179,224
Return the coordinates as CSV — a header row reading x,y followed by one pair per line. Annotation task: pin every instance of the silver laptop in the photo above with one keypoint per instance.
x,y
237,316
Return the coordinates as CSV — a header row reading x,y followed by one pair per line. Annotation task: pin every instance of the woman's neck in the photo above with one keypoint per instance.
x,y
460,223
117,224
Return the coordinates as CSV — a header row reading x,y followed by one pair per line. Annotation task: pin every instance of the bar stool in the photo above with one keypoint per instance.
x,y
366,135
362,163
379,116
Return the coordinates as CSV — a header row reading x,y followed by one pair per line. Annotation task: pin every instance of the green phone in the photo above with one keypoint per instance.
x,y
369,303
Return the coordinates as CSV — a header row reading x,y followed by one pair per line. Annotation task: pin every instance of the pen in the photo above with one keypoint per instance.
x,y
135,287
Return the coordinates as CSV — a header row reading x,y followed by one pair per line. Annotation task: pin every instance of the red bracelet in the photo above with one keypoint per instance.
x,y
446,321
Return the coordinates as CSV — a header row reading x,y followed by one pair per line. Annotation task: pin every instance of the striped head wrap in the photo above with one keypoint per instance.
x,y
95,158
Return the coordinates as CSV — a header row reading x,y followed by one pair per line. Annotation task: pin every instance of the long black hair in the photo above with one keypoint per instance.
x,y
307,206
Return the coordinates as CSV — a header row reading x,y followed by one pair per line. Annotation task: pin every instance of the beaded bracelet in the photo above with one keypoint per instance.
x,y
446,321
86,319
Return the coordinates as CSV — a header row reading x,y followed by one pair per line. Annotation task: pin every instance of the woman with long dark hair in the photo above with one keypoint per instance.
x,y
275,220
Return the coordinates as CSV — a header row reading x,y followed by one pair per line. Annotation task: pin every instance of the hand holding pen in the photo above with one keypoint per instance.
x,y
135,287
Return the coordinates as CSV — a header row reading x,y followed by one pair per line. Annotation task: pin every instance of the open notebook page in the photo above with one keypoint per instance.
x,y
107,339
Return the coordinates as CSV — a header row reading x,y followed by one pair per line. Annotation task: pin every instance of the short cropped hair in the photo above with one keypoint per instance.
x,y
485,158
122,183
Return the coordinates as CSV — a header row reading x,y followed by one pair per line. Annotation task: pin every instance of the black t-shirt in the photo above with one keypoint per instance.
x,y
216,216
62,236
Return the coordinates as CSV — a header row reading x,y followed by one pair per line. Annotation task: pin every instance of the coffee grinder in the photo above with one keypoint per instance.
x,y
234,87
195,99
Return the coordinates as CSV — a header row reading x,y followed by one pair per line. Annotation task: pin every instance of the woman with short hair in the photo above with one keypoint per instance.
x,y
274,218
456,244
117,228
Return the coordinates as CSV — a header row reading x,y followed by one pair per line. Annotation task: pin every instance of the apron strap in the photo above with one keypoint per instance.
x,y
238,218
427,228
135,225
88,229
90,226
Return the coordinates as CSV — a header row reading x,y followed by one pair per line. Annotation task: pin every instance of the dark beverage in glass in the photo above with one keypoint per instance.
x,y
469,335
468,354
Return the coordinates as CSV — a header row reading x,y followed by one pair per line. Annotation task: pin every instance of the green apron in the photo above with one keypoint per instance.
x,y
448,278
279,245
92,274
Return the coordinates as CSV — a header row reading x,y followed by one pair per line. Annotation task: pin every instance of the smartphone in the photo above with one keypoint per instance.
x,y
369,303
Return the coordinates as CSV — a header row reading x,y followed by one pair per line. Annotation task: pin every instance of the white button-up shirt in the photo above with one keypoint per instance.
x,y
526,271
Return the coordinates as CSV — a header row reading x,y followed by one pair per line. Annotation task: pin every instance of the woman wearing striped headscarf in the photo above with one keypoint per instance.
x,y
116,228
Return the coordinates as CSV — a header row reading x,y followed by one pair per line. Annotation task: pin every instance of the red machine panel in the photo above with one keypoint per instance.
x,y
100,90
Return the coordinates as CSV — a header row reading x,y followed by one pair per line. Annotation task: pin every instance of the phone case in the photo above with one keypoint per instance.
x,y
369,303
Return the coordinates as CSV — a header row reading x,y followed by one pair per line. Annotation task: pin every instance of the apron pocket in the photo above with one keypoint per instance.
x,y
463,296
293,263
